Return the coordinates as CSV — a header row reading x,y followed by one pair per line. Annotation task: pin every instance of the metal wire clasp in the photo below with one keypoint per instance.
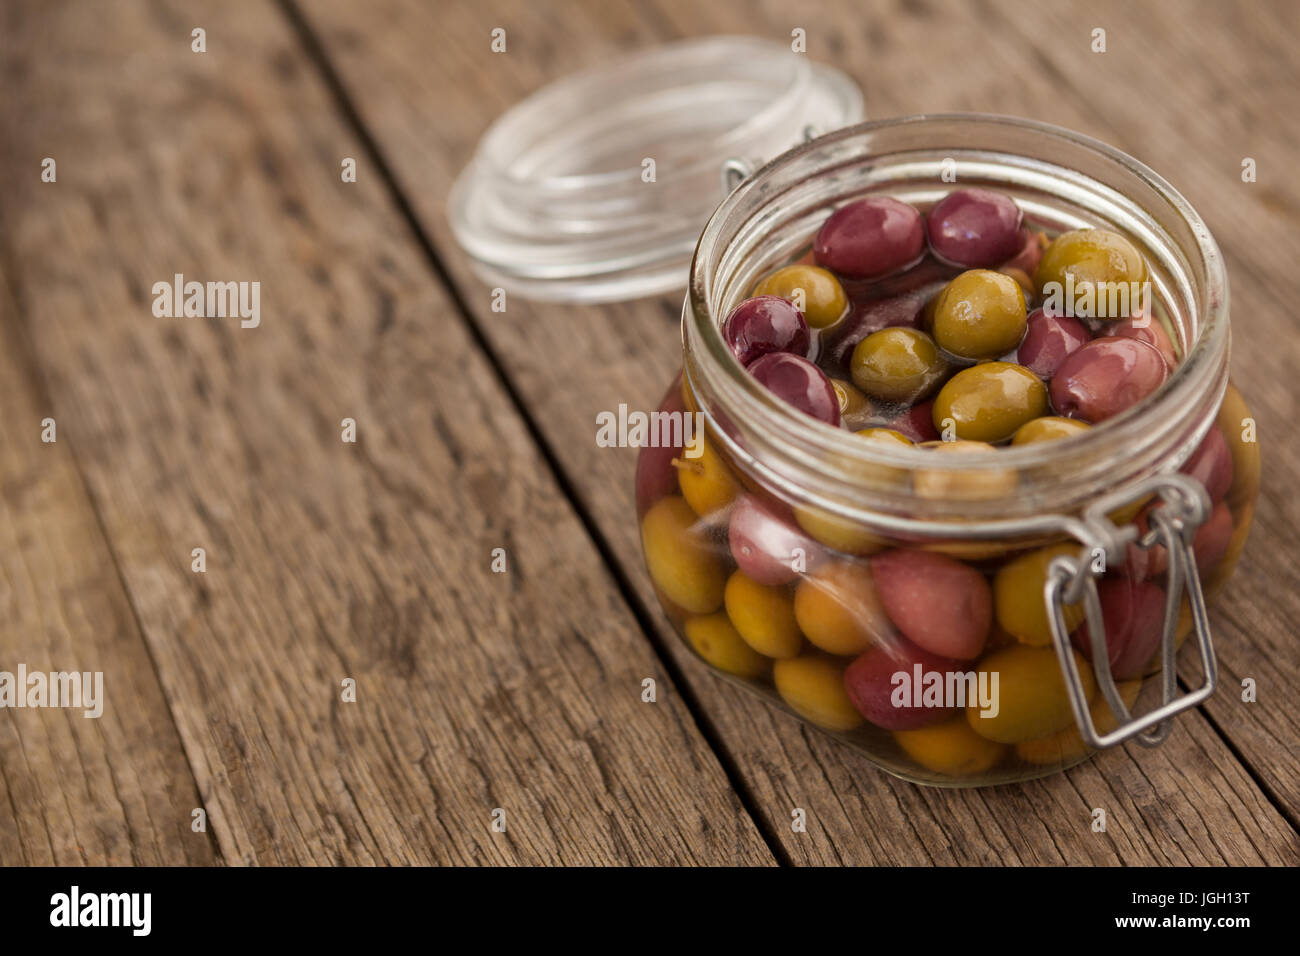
x,y
1071,580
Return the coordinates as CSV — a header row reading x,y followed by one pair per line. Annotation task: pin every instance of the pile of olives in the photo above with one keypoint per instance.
x,y
935,330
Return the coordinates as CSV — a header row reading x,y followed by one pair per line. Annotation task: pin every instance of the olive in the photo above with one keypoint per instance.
x,y
763,616
765,324
1211,464
1029,252
813,686
897,365
707,482
1149,330
838,608
916,423
989,401
871,237
656,475
1031,695
715,640
812,290
1237,424
1048,428
950,748
1048,340
766,546
963,485
1067,744
681,562
974,228
1094,273
874,685
1133,617
800,383
1018,598
854,406
941,605
871,316
980,315
1105,377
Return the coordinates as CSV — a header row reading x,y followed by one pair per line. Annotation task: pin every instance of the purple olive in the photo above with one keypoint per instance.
x,y
1048,340
1209,544
1029,252
655,475
799,382
871,237
766,548
974,228
1105,377
765,324
1133,614
872,684
1211,464
1145,329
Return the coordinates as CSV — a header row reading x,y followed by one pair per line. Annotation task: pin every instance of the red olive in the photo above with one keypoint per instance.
x,y
1133,614
897,704
765,324
871,237
974,228
1211,464
769,549
1145,329
1105,377
941,605
1048,340
799,382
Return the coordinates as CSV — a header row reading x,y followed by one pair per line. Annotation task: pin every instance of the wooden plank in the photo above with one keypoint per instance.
x,y
1190,802
326,560
109,790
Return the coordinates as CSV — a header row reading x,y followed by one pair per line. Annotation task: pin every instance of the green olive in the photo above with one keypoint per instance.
x,y
1048,428
980,315
813,290
1102,268
990,401
897,364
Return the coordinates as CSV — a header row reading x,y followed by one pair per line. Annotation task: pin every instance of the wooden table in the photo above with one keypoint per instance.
x,y
371,561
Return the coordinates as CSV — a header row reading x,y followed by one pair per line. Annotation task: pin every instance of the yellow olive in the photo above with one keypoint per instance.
x,y
950,748
1048,428
680,560
813,290
1237,425
838,609
1067,745
990,401
853,404
763,616
715,640
1018,596
1095,272
838,533
981,485
813,686
980,315
706,482
897,364
1031,699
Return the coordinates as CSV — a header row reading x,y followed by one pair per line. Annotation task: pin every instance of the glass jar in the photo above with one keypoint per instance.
x,y
856,560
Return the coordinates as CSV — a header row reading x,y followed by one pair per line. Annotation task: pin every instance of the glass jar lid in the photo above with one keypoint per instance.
x,y
596,187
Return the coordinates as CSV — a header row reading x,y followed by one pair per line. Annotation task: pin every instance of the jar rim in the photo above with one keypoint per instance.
x,y
1166,426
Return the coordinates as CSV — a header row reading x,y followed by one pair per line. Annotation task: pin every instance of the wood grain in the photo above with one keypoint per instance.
x,y
109,790
1189,802
325,560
